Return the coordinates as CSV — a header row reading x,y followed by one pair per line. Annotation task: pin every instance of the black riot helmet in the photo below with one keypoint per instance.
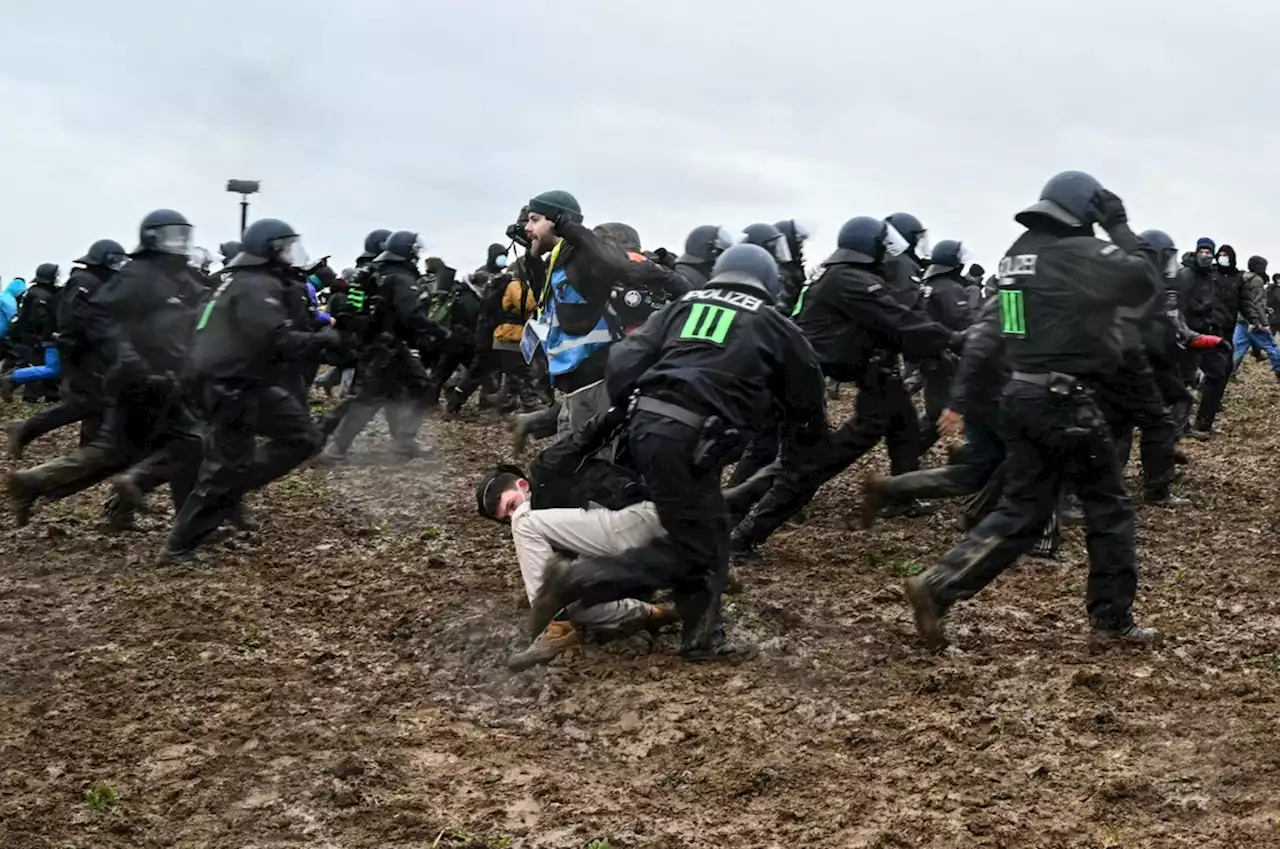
x,y
705,243
164,231
863,241
947,256
270,241
105,253
229,250
768,237
1164,247
748,267
1068,198
913,233
401,246
47,272
796,234
373,244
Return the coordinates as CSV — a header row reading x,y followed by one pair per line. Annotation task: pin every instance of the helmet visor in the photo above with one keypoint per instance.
x,y
924,245
780,249
1171,265
802,232
894,243
172,239
292,253
724,240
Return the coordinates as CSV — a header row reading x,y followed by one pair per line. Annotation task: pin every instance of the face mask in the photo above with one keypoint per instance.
x,y
1204,260
500,261
1224,261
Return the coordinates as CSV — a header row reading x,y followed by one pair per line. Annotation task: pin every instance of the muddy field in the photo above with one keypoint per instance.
x,y
339,681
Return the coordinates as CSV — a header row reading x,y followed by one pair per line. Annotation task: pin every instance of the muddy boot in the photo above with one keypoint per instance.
x,y
874,500
928,617
1046,548
556,638
6,387
407,449
500,401
120,516
1200,435
171,557
453,400
1166,500
1133,636
22,499
1276,375
1180,457
833,391
126,492
721,649
242,519
550,600
661,615
912,509
14,437
742,553
331,456
732,585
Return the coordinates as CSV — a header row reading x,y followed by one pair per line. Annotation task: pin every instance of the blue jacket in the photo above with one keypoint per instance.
x,y
9,305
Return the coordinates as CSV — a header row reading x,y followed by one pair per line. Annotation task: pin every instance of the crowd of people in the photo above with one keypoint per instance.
x,y
682,399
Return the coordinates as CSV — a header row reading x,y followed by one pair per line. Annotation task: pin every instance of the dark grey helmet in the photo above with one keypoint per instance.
x,y
401,246
268,240
164,231
105,253
373,244
1068,198
748,267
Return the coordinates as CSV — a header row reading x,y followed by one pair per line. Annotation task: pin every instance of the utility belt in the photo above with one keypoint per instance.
x,y
716,442
1087,418
881,365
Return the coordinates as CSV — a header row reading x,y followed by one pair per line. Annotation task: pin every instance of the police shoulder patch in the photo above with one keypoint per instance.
x,y
875,287
1107,250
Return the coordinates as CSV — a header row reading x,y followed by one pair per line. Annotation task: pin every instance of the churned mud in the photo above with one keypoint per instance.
x,y
339,681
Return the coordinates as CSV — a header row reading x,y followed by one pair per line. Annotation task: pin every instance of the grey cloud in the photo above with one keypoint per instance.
x,y
445,115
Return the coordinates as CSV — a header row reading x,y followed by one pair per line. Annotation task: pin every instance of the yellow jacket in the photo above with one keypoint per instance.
x,y
518,305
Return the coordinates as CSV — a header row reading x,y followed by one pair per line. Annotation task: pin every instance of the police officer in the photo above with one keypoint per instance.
x,y
858,330
32,334
974,402
907,241
141,320
705,366
1060,289
793,273
252,343
82,366
945,299
229,250
702,247
393,322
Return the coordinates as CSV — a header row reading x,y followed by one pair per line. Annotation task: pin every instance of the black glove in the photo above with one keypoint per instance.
x,y
327,337
957,341
562,218
1226,346
1109,209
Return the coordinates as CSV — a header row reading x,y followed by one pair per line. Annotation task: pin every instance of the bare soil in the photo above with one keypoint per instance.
x,y
339,681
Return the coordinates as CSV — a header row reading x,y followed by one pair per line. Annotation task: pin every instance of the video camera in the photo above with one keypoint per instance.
x,y
515,232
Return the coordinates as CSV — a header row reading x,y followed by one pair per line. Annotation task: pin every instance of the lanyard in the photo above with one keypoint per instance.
x,y
551,267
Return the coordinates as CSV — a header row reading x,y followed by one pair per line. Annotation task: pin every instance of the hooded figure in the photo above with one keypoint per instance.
x,y
9,304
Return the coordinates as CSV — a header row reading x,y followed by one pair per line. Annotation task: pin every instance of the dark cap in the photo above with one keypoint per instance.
x,y
553,203
492,485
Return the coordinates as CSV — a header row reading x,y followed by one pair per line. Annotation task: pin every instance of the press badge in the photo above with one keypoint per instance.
x,y
534,335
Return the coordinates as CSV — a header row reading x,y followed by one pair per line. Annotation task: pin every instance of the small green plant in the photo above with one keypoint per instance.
x,y
430,532
1270,662
101,799
600,843
459,839
875,559
907,569
255,639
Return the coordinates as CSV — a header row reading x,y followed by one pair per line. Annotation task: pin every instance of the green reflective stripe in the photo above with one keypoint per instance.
x,y
708,323
800,300
204,316
355,297
1013,317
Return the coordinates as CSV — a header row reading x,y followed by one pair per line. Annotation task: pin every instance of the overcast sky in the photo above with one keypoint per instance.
x,y
444,116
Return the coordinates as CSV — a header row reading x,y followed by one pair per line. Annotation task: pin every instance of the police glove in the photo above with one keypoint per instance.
x,y
1226,346
1109,209
957,341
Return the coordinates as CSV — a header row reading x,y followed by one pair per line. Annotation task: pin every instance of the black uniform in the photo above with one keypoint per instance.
x,y
141,320
975,394
1059,294
251,347
1231,298
714,360
82,367
390,321
858,330
33,330
945,300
